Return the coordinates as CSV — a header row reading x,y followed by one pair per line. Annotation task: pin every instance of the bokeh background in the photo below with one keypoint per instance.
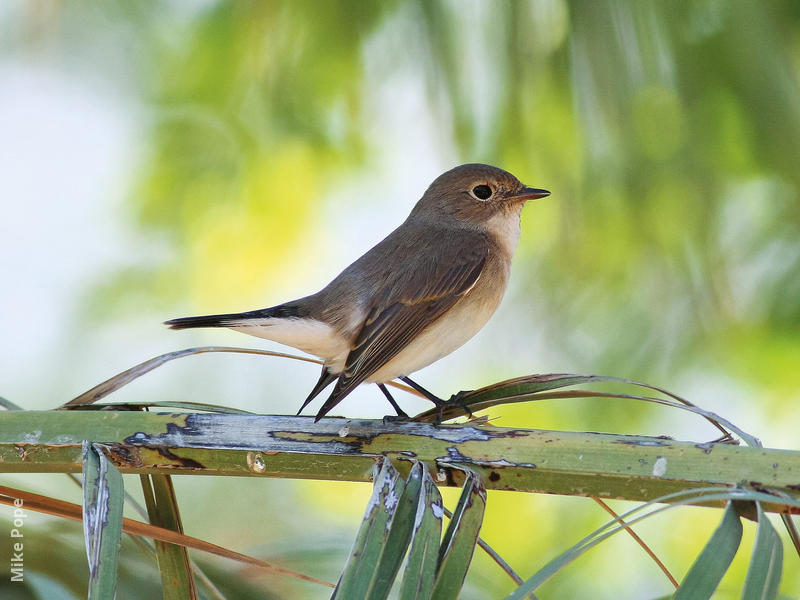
x,y
162,159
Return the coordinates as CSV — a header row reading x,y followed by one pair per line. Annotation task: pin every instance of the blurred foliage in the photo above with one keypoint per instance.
x,y
253,112
668,132
61,572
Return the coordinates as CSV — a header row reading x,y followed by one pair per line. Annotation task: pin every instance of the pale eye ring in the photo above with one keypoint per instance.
x,y
482,192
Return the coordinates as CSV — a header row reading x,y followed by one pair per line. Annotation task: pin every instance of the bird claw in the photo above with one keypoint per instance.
x,y
404,418
455,399
458,399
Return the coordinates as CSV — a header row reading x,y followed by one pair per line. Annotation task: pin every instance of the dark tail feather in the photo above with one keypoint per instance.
x,y
327,406
325,380
204,321
282,311
337,395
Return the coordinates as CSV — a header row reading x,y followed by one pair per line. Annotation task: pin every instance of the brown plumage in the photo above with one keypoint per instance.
x,y
416,296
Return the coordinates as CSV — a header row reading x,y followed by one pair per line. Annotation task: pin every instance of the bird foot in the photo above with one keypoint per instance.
x,y
404,418
458,400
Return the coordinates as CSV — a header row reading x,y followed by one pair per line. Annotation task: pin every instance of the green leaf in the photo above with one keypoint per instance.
x,y
361,567
119,380
533,387
460,539
177,581
185,405
764,573
709,568
423,556
103,495
613,527
402,524
529,384
8,404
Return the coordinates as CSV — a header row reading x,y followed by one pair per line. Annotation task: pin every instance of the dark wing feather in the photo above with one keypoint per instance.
x,y
400,315
325,379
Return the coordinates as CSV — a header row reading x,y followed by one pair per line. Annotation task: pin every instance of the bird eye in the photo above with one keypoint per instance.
x,y
482,192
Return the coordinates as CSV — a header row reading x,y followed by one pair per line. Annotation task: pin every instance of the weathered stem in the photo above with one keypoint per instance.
x,y
586,464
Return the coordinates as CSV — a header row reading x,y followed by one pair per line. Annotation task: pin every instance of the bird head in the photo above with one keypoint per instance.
x,y
472,194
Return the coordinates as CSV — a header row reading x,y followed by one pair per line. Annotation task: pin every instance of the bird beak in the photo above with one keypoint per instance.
x,y
528,193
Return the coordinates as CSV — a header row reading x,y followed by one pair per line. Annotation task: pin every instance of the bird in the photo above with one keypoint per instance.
x,y
415,297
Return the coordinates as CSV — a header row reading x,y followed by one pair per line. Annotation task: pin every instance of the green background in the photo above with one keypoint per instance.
x,y
164,159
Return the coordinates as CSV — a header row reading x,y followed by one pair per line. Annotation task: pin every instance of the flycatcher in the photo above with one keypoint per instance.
x,y
419,294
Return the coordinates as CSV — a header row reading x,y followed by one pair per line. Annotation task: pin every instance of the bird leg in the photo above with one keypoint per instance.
x,y
440,404
435,399
401,414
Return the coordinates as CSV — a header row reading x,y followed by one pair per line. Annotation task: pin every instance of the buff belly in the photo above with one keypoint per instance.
x,y
445,335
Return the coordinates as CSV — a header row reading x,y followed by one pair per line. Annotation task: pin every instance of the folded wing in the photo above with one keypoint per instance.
x,y
402,311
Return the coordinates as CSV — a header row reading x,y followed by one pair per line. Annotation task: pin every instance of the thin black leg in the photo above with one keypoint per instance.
x,y
400,411
457,398
435,399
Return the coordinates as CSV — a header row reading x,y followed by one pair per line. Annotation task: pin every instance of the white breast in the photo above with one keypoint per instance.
x,y
505,229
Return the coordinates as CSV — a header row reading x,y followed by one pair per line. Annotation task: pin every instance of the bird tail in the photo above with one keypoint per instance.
x,y
325,380
342,388
282,311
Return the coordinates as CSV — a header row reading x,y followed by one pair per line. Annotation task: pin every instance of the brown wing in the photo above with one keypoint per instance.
x,y
400,314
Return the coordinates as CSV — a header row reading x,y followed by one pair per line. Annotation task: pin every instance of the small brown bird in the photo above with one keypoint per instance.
x,y
419,294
